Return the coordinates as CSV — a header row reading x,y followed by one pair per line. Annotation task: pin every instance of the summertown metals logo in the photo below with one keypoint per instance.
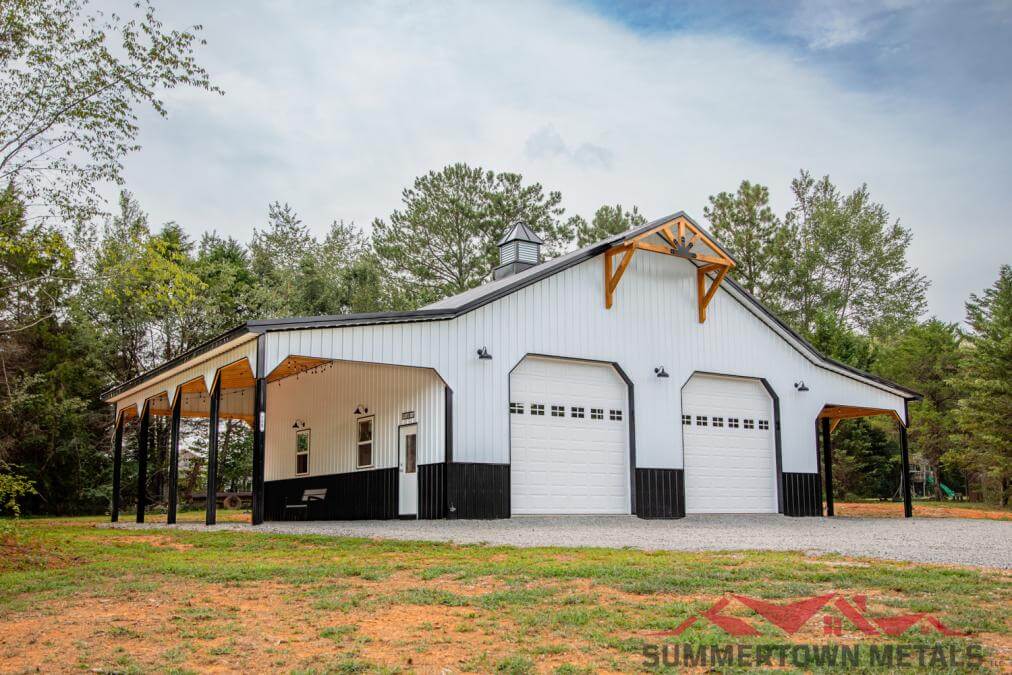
x,y
792,617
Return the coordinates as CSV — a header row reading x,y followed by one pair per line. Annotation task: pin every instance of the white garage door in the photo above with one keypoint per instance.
x,y
730,452
568,438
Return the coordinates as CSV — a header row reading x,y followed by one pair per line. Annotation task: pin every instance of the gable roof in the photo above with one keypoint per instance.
x,y
469,300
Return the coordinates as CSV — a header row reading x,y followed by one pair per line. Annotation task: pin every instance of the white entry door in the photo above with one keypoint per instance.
x,y
569,438
408,448
728,440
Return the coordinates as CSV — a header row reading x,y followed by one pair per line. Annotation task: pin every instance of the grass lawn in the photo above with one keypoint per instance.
x,y
77,597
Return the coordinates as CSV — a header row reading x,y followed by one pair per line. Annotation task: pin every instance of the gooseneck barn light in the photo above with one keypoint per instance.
x,y
483,354
801,386
660,372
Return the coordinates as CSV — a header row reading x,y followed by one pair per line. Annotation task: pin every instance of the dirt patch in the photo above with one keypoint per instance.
x,y
19,556
156,540
921,510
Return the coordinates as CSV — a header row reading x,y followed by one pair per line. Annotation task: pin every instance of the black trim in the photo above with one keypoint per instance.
x,y
778,447
211,505
478,491
177,407
777,439
660,493
259,430
908,502
801,494
632,411
117,467
357,495
143,440
432,491
827,463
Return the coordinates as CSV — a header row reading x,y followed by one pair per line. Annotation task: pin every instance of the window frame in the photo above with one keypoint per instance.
x,y
733,422
577,412
538,409
597,413
614,415
371,442
748,423
300,433
702,420
558,410
717,422
516,408
686,420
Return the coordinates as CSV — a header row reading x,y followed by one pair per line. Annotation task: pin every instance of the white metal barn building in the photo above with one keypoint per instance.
x,y
628,377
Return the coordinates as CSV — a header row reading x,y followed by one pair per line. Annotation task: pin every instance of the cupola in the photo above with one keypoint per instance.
x,y
520,249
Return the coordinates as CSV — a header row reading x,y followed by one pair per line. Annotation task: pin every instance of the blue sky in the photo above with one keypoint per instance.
x,y
335,107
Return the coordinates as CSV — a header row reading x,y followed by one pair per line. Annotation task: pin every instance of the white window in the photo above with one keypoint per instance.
x,y
558,411
686,420
700,420
748,424
577,412
365,429
764,425
597,413
615,415
718,421
302,452
732,422
537,408
517,408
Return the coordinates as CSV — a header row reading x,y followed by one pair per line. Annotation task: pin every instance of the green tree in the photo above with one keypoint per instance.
x,y
444,240
70,85
745,223
842,255
983,444
607,221
927,357
50,418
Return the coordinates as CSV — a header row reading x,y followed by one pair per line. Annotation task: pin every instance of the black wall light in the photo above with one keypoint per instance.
x,y
660,372
801,386
483,354
361,410
299,424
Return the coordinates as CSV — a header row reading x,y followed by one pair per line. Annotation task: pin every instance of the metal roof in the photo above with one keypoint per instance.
x,y
520,232
456,305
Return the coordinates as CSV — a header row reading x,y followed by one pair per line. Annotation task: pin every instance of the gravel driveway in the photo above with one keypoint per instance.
x,y
935,540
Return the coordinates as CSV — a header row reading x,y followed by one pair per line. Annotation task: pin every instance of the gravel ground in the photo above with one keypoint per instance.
x,y
950,541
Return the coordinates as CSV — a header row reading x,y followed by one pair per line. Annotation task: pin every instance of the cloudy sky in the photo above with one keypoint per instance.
x,y
334,107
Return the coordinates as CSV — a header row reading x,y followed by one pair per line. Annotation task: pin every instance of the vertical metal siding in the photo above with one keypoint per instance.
x,y
653,322
326,401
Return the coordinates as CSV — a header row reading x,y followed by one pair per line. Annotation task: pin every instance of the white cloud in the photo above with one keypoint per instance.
x,y
335,108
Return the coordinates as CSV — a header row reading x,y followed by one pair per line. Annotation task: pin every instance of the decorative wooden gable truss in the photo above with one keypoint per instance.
x,y
681,239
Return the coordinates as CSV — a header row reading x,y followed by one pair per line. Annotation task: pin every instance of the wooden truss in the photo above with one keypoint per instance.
x,y
837,413
680,238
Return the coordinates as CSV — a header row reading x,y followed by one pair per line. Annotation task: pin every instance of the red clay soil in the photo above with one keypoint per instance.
x,y
921,510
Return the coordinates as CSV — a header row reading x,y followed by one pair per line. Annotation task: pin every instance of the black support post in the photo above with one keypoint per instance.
x,y
117,467
177,409
827,462
142,462
908,503
211,512
259,431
